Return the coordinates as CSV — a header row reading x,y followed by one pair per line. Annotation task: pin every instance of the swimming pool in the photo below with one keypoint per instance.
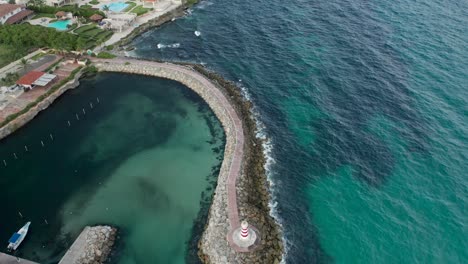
x,y
116,6
60,25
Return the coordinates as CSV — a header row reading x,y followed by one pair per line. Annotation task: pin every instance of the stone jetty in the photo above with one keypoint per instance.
x,y
219,243
92,246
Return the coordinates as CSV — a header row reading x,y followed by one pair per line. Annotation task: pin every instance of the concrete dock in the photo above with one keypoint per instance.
x,y
8,259
75,252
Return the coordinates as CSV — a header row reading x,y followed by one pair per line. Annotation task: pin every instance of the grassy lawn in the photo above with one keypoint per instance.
x,y
130,6
106,55
84,28
38,56
9,54
41,15
93,34
140,10
71,27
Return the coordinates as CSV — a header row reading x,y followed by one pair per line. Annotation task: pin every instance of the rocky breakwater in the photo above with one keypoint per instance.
x,y
249,182
253,195
92,246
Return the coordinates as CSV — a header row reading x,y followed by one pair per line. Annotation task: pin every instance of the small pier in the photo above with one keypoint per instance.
x,y
75,252
9,259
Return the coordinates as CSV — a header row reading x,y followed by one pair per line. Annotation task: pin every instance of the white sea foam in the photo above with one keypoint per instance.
x,y
203,5
245,93
188,12
268,146
163,46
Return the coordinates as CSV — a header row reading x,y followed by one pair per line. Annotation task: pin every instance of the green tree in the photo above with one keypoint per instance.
x,y
12,2
35,3
24,63
81,44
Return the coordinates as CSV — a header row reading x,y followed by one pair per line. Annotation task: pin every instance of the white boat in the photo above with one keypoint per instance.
x,y
18,237
197,33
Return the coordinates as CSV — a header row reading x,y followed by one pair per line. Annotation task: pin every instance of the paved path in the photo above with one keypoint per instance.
x,y
8,259
237,156
77,248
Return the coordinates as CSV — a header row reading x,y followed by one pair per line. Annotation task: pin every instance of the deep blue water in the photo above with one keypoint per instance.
x,y
365,104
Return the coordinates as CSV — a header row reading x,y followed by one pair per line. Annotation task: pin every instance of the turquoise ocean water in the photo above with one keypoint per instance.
x,y
365,106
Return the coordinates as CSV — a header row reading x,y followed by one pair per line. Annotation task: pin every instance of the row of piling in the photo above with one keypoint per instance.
x,y
69,124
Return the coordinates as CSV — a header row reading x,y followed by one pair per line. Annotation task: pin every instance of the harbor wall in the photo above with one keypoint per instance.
x,y
23,119
252,186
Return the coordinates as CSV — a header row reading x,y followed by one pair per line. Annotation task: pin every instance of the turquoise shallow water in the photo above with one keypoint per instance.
x,y
142,154
365,105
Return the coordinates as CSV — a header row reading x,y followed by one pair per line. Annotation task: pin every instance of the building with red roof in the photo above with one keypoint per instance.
x,y
12,14
35,78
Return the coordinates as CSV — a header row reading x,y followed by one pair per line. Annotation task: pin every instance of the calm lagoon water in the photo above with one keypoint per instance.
x,y
144,158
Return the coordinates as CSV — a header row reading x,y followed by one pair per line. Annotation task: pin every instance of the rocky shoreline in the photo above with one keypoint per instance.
x,y
252,186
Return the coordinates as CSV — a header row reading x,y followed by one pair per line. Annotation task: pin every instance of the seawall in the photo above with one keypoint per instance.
x,y
243,157
23,119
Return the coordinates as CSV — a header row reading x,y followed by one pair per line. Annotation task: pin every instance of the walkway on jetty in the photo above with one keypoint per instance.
x,y
8,259
214,97
74,253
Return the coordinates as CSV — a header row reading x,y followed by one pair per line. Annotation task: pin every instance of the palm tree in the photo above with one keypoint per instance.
x,y
105,9
24,62
36,2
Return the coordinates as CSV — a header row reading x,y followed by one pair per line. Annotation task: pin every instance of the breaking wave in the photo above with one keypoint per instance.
x,y
163,46
268,147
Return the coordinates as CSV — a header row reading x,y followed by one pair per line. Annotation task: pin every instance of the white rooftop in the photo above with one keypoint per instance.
x,y
44,79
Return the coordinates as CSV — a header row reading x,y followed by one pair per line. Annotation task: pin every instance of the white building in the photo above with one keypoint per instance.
x,y
11,14
55,2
